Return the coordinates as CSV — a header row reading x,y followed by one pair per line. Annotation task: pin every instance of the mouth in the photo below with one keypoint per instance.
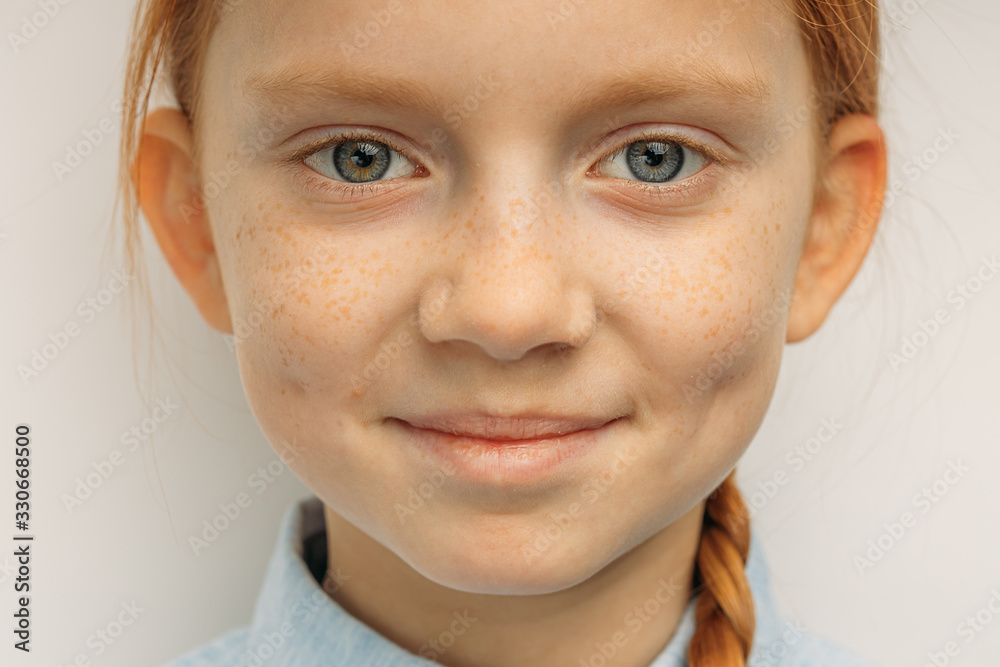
x,y
506,430
505,452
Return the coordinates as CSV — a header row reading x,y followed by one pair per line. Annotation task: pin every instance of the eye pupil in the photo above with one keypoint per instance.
x,y
361,161
653,155
656,161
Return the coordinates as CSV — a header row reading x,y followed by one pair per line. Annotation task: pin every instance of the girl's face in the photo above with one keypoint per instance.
x,y
479,245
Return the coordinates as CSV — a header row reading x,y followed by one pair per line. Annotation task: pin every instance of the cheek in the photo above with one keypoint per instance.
x,y
712,313
310,305
307,302
311,310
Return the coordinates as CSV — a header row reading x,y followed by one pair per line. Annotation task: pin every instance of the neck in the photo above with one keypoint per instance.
x,y
628,610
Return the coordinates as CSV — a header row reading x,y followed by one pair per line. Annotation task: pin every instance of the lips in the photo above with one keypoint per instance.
x,y
505,453
501,429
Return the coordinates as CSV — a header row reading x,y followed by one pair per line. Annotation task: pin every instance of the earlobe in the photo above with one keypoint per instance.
x,y
166,182
844,218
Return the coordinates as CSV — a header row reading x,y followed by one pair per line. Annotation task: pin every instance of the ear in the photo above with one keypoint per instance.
x,y
845,214
166,181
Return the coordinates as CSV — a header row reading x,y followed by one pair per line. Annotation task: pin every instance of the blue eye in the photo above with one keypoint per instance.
x,y
359,160
655,161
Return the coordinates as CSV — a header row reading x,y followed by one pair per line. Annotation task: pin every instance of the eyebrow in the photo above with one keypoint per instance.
x,y
631,86
293,84
627,86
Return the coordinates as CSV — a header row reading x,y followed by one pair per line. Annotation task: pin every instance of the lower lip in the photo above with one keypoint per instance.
x,y
505,463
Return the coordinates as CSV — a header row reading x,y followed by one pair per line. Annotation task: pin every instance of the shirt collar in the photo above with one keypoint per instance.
x,y
295,620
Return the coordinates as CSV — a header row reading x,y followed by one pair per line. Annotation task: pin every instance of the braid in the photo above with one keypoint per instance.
x,y
724,613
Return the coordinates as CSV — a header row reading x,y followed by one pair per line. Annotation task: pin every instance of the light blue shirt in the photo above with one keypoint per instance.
x,y
296,624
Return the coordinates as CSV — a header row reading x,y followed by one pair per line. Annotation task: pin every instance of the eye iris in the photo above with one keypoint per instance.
x,y
361,161
656,161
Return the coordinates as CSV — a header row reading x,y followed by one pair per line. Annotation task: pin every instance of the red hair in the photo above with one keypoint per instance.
x,y
841,39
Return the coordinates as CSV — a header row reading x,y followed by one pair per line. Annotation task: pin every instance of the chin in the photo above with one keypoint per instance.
x,y
495,563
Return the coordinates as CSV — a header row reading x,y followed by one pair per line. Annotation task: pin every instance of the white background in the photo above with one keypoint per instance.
x,y
901,426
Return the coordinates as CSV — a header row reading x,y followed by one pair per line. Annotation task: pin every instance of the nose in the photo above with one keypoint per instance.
x,y
512,286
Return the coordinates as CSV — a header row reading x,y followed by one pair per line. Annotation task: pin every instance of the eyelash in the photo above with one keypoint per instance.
x,y
668,189
349,190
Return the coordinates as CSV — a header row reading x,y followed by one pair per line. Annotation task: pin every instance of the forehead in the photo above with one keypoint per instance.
x,y
550,57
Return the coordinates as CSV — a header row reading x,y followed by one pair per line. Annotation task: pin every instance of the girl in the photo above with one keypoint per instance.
x,y
509,285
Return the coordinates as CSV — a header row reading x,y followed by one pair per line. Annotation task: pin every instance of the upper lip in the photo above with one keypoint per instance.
x,y
516,427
